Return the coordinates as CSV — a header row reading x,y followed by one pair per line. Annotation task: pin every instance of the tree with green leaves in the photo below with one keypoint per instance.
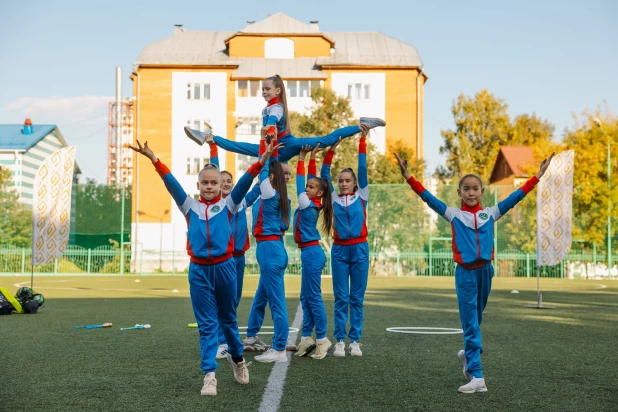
x,y
482,125
16,218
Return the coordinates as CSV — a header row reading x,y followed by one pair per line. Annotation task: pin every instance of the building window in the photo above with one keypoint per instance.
x,y
198,91
279,48
301,88
244,162
248,88
248,125
359,91
196,164
197,124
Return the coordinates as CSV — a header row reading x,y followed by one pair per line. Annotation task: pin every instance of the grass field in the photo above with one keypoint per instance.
x,y
564,359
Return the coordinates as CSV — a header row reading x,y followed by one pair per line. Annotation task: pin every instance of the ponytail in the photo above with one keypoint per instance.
x,y
280,186
278,83
327,206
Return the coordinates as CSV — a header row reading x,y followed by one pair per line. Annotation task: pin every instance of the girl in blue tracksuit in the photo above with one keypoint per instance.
x,y
271,221
212,275
275,117
313,198
473,251
350,252
240,236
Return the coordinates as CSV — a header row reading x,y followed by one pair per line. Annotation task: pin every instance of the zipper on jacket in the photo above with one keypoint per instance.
x,y
478,244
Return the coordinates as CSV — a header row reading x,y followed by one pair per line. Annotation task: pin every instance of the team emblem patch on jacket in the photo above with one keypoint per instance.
x,y
483,216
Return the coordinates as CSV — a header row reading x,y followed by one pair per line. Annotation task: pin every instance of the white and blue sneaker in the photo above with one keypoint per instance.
x,y
461,355
222,351
372,122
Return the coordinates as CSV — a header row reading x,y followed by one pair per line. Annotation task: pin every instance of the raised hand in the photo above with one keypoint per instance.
x,y
304,150
269,151
364,129
144,150
334,147
403,166
545,165
317,149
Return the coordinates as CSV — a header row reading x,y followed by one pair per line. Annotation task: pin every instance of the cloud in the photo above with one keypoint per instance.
x,y
91,110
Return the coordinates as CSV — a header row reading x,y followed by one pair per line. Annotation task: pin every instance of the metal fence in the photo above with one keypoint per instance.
x,y
105,260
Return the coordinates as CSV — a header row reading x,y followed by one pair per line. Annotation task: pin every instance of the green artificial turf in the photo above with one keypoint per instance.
x,y
563,359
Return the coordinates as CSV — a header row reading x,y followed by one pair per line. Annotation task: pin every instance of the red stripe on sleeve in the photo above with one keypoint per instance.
x,y
415,185
300,167
161,168
328,159
255,169
530,184
313,170
362,145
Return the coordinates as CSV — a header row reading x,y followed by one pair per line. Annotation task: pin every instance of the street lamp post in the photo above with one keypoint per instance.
x,y
609,199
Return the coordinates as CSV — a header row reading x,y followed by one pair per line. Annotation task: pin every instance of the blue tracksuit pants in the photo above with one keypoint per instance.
x,y
473,287
350,272
239,262
273,260
213,293
292,145
313,260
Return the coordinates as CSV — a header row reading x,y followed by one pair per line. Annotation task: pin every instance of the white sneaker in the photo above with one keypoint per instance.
x,y
372,122
254,343
222,351
306,347
241,373
210,385
322,350
355,349
195,135
339,349
475,385
272,355
462,358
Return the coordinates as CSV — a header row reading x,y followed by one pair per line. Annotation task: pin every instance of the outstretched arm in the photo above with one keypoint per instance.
x,y
326,164
242,187
214,151
313,172
363,180
434,203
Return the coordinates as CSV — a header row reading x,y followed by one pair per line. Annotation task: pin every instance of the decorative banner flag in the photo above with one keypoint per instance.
x,y
554,210
51,206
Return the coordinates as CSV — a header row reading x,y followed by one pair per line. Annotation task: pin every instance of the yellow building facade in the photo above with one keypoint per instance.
x,y
197,76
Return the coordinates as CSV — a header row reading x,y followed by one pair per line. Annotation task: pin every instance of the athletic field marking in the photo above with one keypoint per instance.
x,y
274,388
243,330
419,330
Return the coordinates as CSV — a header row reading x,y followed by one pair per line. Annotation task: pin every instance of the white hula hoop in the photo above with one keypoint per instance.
x,y
419,330
243,330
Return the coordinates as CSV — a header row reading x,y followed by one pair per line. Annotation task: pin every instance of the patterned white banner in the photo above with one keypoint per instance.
x,y
554,210
51,206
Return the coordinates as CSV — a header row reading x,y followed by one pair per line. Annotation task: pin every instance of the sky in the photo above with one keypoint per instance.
x,y
553,58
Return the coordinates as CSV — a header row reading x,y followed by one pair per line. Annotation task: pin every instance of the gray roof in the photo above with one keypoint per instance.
x,y
280,23
299,68
209,48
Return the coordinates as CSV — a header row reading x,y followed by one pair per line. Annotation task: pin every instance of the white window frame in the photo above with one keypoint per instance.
x,y
296,83
258,90
204,87
191,169
192,122
364,92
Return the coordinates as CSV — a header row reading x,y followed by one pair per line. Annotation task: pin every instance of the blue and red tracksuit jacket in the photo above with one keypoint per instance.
x,y
350,211
473,227
238,222
209,235
273,116
306,215
268,223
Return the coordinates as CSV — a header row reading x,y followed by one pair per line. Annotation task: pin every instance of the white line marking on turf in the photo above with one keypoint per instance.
x,y
276,380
